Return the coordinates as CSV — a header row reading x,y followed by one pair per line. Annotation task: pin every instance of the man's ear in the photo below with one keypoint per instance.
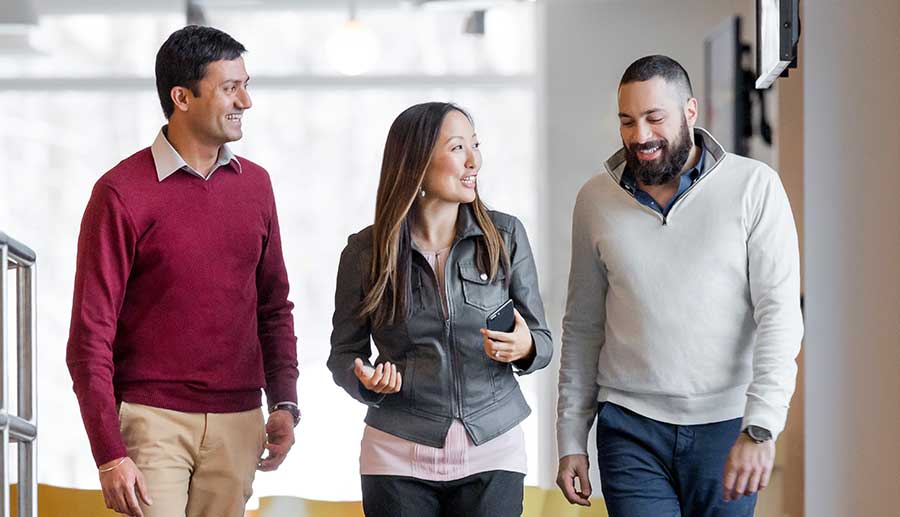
x,y
181,97
690,111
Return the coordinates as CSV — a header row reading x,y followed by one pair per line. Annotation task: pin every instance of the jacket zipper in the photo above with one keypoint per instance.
x,y
456,392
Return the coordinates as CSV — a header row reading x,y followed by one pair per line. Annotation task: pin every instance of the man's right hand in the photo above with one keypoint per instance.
x,y
122,486
571,467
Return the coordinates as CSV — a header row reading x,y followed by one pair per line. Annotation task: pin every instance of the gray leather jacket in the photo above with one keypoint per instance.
x,y
446,373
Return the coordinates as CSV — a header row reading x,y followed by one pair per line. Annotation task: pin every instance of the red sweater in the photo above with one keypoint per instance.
x,y
180,297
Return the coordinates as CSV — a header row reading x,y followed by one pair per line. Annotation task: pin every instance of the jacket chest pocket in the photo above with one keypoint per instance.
x,y
478,290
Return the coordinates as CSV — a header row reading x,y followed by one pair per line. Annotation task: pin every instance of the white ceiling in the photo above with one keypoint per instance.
x,y
106,6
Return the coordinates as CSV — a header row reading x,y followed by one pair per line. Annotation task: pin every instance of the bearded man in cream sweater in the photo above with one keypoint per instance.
x,y
683,318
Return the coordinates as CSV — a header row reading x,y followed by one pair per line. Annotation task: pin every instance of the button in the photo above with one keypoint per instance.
x,y
483,276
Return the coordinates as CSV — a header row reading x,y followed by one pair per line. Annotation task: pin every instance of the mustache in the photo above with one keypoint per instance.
x,y
662,144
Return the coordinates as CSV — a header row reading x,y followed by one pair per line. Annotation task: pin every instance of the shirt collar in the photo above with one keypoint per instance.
x,y
168,161
697,170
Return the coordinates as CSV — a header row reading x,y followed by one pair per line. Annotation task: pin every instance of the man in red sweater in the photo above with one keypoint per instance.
x,y
180,313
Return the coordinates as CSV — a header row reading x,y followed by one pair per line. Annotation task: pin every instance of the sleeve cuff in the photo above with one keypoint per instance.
x,y
543,351
368,397
760,414
283,391
107,455
571,441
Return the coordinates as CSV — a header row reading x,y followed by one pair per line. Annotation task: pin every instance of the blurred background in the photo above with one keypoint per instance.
x,y
77,95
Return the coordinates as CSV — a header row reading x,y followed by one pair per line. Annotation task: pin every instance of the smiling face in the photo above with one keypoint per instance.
x,y
455,160
656,124
214,114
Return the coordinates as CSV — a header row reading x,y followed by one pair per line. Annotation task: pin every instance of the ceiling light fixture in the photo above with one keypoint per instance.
x,y
195,13
354,48
474,23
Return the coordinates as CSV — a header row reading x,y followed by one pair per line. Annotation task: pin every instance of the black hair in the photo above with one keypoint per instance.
x,y
671,71
182,60
408,150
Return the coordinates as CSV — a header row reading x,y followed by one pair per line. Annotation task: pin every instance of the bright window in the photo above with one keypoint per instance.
x,y
89,102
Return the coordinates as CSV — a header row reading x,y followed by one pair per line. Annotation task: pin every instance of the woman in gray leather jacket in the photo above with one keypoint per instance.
x,y
442,434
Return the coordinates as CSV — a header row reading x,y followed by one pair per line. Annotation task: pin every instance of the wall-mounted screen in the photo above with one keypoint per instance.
x,y
777,34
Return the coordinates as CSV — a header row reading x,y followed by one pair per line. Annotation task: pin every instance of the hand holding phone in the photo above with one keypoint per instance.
x,y
507,337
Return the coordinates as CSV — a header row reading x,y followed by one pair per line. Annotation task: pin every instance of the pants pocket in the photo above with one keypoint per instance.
x,y
261,440
122,411
601,410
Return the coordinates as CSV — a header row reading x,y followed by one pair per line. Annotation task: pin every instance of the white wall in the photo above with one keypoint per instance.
x,y
852,255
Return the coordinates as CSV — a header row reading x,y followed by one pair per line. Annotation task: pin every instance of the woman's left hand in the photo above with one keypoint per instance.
x,y
507,347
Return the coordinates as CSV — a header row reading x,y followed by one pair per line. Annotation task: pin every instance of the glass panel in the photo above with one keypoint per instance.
x,y
321,145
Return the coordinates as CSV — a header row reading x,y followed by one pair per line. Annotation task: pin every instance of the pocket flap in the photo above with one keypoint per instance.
x,y
470,272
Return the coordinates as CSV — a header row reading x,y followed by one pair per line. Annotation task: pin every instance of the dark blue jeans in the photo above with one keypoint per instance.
x,y
653,469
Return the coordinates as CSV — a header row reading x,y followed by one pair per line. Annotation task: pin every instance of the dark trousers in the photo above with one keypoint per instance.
x,y
497,493
653,469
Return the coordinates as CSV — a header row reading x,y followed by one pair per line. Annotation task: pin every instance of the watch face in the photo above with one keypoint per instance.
x,y
759,434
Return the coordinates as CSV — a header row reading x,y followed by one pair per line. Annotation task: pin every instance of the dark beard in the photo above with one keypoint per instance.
x,y
665,168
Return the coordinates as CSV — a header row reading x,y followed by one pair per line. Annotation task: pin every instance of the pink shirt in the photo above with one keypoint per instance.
x,y
385,454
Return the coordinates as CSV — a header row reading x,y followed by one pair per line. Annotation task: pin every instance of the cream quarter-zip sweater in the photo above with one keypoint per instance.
x,y
688,318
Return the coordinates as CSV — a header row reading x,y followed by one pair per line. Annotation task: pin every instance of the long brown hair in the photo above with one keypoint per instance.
x,y
407,154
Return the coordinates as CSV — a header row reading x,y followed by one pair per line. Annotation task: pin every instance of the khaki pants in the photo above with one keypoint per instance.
x,y
194,464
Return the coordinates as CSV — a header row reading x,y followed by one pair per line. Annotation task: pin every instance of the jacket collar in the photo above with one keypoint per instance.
x,y
466,224
615,165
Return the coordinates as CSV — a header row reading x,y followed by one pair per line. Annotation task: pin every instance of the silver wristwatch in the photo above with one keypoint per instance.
x,y
290,407
758,434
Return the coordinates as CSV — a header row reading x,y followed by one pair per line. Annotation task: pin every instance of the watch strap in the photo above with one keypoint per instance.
x,y
290,407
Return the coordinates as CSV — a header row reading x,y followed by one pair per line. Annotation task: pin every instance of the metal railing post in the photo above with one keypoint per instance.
x,y
27,329
4,381
21,428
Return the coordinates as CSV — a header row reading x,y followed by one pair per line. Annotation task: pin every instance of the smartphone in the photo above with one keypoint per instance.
x,y
502,319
